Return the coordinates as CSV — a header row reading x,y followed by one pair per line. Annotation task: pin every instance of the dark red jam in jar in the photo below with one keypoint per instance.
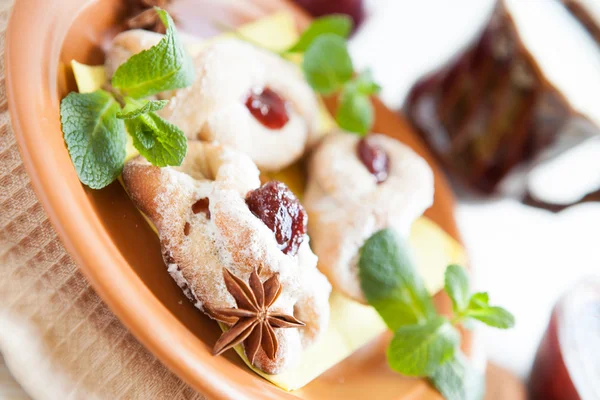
x,y
276,205
268,108
374,158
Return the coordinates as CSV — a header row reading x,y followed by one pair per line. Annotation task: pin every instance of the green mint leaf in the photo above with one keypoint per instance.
x,y
496,317
163,67
458,380
365,84
337,24
355,112
479,299
327,65
390,282
95,138
159,141
146,107
479,308
457,287
418,350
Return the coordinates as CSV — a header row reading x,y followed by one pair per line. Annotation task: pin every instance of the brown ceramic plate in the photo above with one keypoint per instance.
x,y
111,242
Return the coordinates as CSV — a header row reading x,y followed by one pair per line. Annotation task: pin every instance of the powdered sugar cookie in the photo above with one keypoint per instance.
x,y
250,99
220,230
244,97
357,187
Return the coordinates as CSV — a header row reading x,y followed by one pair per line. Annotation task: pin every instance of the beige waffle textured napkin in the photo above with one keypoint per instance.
x,y
57,337
9,388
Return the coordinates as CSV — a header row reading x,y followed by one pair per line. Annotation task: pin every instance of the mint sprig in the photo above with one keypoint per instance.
x,y
476,306
329,70
425,343
95,125
494,316
95,138
165,66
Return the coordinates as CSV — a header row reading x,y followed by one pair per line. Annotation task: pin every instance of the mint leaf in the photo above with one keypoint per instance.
x,y
163,67
390,283
143,108
365,84
458,380
337,24
480,309
496,317
327,64
457,286
355,112
95,138
418,350
479,299
159,141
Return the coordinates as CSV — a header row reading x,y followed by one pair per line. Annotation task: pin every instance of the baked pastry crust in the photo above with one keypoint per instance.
x,y
198,242
213,107
346,204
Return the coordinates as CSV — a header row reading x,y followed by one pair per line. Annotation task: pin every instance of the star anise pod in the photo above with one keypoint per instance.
x,y
144,16
253,322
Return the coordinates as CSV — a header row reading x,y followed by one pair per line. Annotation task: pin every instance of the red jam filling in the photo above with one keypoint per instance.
x,y
268,108
201,206
374,158
275,205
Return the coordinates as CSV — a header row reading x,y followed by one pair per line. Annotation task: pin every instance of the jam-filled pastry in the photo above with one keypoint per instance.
x,y
243,96
357,187
238,250
250,99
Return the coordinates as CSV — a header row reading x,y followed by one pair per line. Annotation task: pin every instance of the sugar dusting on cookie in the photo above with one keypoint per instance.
x,y
347,203
199,246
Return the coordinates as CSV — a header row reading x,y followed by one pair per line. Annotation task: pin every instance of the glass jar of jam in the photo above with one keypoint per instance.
x,y
567,364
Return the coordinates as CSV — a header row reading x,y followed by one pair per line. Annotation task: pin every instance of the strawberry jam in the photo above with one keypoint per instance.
x,y
268,108
374,158
275,205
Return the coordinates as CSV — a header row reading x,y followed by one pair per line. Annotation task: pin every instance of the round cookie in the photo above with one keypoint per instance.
x,y
239,90
205,224
243,96
355,188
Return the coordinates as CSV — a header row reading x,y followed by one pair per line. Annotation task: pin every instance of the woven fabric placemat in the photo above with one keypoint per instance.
x,y
57,337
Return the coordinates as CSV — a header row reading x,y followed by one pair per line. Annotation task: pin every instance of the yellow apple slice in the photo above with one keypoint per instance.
x,y
88,78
